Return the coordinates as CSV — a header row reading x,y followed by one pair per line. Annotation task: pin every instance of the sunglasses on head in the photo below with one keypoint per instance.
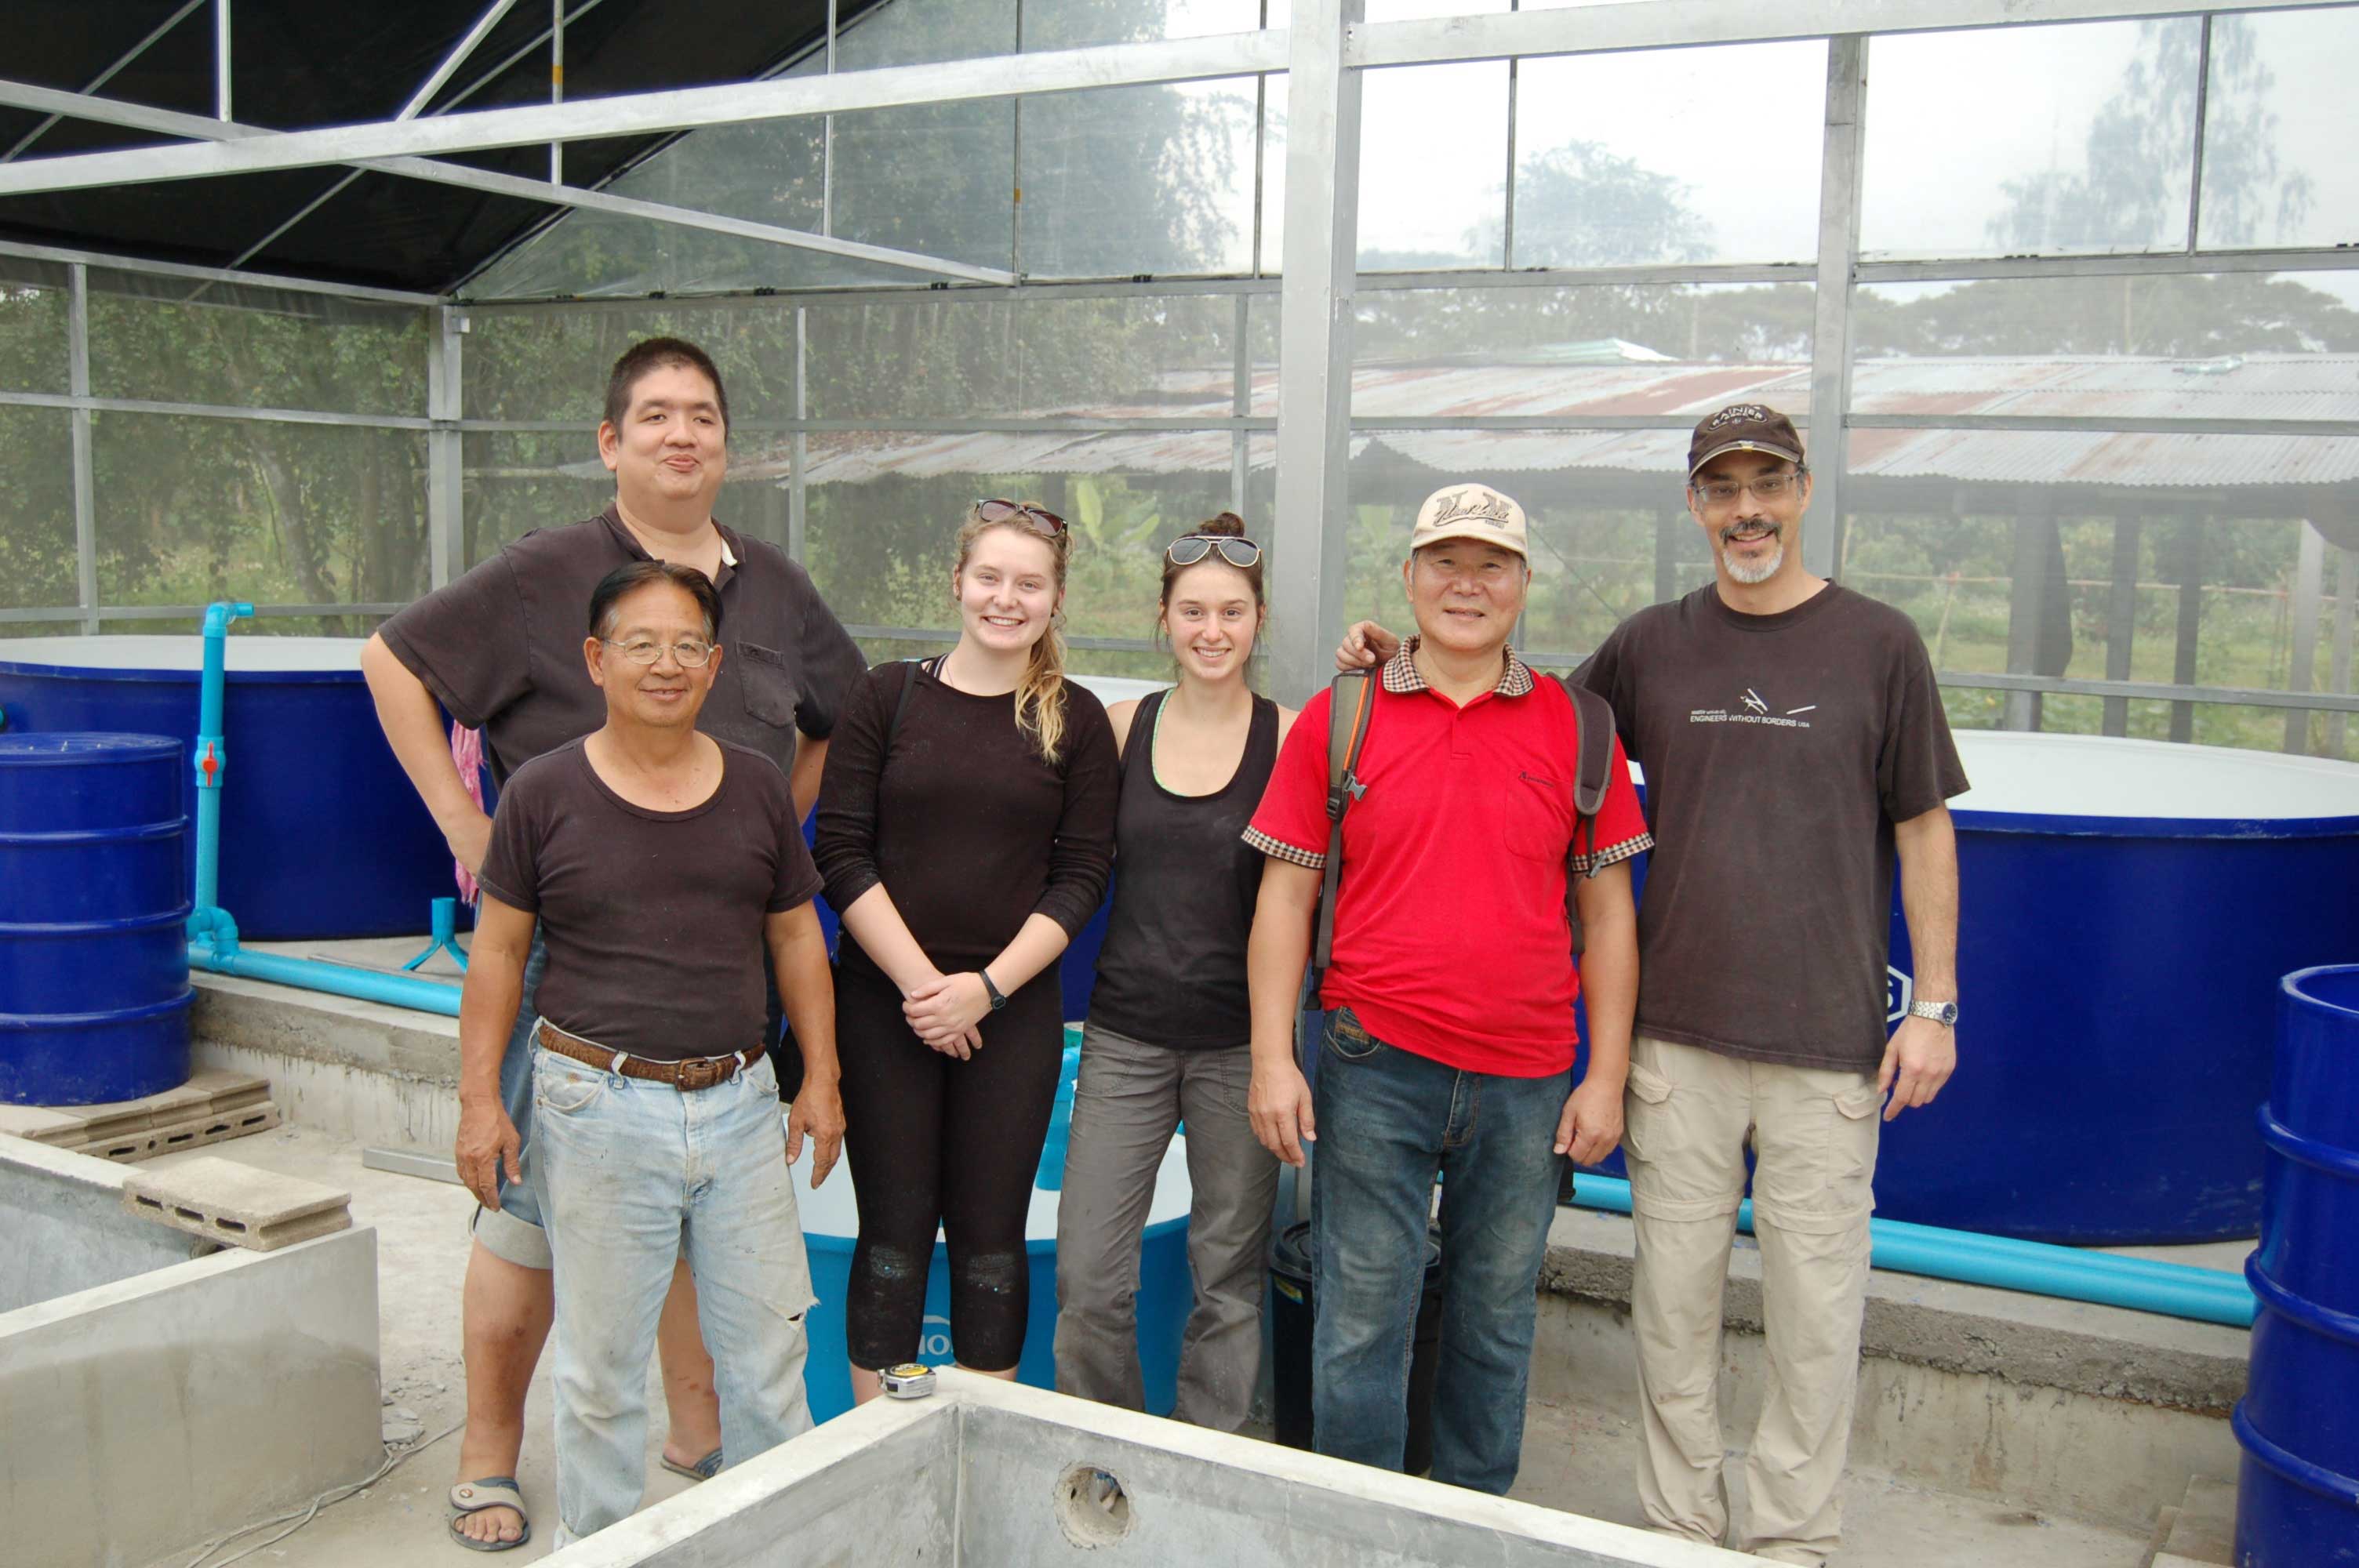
x,y
1189,548
1040,519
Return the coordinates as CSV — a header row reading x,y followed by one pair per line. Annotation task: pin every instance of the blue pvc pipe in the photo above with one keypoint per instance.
x,y
2174,1289
212,935
209,758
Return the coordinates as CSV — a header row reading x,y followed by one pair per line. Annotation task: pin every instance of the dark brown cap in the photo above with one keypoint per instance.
x,y
1744,428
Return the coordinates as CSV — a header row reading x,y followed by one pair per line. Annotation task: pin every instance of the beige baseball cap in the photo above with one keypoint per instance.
x,y
1471,510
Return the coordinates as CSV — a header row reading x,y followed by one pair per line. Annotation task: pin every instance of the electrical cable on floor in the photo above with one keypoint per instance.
x,y
305,1515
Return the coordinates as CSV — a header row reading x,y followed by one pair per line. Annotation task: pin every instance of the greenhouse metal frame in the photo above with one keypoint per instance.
x,y
1325,55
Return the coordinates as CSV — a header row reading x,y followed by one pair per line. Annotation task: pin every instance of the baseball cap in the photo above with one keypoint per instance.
x,y
1744,428
1470,512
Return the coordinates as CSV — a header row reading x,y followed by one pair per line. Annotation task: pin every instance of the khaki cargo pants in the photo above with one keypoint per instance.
x,y
1691,1113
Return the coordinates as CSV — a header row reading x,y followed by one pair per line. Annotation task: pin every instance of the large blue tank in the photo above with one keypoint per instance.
x,y
2298,1493
93,958
2128,907
321,834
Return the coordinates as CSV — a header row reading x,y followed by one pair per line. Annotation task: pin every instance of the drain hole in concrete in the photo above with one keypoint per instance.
x,y
1092,1508
230,1224
188,1214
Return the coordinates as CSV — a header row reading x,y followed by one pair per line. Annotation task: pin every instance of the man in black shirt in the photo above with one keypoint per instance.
x,y
1795,747
500,649
661,865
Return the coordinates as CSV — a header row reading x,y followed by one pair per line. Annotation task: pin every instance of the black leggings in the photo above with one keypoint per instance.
x,y
937,1141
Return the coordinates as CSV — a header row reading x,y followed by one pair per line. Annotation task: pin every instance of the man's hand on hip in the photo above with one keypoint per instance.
x,y
487,1143
1919,1061
1278,1102
817,1110
1591,1124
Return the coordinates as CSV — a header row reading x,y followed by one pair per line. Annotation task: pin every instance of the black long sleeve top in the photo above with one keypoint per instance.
x,y
970,830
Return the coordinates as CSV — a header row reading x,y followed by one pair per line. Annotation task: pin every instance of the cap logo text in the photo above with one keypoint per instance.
x,y
1490,509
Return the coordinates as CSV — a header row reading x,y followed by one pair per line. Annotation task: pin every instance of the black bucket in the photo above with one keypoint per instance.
x,y
1292,1306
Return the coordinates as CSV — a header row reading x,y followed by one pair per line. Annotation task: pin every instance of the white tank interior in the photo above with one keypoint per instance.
x,y
2096,776
158,652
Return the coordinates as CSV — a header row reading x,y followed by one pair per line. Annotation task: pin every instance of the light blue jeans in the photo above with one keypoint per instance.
x,y
633,1176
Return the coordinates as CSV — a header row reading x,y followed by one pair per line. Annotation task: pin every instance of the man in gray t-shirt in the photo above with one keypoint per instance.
x,y
1795,750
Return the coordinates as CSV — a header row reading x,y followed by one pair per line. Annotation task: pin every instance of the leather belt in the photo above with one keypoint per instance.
x,y
696,1073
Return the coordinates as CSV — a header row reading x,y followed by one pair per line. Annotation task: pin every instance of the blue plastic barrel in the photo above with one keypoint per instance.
x,y
1166,1292
94,953
2297,1497
321,834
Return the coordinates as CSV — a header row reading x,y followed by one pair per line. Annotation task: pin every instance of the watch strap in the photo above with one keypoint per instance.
x,y
991,991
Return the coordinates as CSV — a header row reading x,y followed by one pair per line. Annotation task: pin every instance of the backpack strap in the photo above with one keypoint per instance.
x,y
1595,774
1351,705
909,668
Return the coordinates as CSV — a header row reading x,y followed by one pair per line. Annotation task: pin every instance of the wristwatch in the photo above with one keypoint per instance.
x,y
997,1001
1944,1013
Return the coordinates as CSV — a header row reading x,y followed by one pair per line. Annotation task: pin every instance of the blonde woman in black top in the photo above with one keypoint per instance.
x,y
965,828
1168,1024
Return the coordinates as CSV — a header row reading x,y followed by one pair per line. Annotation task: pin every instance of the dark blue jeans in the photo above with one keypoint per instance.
x,y
1390,1120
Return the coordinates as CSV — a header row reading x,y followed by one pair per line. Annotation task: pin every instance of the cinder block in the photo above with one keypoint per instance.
x,y
226,1090
215,1127
237,1204
43,1125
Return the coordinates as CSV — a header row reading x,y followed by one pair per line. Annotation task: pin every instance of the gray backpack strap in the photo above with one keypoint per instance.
x,y
1589,782
1351,705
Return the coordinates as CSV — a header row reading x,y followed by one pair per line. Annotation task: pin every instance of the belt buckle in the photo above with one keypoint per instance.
x,y
699,1074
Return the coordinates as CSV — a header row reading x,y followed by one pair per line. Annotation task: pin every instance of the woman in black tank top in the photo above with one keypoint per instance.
x,y
1168,1025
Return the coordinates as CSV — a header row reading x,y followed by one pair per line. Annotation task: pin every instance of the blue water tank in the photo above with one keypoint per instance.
x,y
2126,909
321,834
2298,1496
94,955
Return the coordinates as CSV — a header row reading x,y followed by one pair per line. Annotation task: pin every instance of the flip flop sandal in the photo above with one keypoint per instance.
x,y
490,1492
703,1469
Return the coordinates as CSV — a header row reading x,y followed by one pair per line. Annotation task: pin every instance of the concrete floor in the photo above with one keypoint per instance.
x,y
1573,1458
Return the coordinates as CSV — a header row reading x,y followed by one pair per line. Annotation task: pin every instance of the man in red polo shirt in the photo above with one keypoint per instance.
x,y
1449,1037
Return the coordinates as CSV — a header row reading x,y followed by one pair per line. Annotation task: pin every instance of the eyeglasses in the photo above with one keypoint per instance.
x,y
1768,487
1189,548
693,652
1040,519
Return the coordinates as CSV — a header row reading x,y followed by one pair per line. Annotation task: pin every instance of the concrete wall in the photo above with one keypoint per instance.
x,y
376,1075
150,1415
2094,1412
63,1227
972,1478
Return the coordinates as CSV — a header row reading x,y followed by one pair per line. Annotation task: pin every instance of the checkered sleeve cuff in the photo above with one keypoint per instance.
x,y
1279,848
1589,865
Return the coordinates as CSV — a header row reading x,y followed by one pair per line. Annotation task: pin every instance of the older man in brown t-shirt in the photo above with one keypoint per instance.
x,y
501,650
663,866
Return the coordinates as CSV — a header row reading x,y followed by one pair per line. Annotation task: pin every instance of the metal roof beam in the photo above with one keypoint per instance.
x,y
104,77
216,274
455,59
170,122
650,113
1673,24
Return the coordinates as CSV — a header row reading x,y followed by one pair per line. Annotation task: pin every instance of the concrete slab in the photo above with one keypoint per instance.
x,y
2204,1531
228,1202
151,1415
61,1214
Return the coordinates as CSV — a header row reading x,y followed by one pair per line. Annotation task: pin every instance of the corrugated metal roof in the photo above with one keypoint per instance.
x,y
2258,386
